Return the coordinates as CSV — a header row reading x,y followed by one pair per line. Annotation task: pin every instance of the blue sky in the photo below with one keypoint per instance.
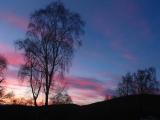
x,y
120,36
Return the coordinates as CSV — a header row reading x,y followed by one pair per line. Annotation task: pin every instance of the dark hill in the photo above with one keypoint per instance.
x,y
138,107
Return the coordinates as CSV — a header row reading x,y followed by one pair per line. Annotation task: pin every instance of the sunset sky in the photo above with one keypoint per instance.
x,y
120,36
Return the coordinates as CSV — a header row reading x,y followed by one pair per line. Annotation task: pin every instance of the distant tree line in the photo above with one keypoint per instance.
x,y
144,81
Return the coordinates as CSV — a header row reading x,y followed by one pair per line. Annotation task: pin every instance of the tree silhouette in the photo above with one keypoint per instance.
x,y
61,98
126,86
141,82
29,71
60,95
21,101
52,37
145,81
6,97
3,66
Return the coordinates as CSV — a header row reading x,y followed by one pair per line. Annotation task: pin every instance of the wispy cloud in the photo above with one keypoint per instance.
x,y
111,79
123,25
14,19
84,83
82,97
88,90
13,57
129,56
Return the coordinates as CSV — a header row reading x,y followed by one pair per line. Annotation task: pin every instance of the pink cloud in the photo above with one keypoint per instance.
x,y
15,82
13,57
85,83
82,90
90,90
86,90
13,19
82,97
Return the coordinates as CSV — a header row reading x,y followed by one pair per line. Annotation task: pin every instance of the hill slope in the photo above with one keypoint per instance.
x,y
123,108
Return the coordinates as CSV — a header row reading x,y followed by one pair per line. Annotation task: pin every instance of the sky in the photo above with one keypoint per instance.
x,y
120,36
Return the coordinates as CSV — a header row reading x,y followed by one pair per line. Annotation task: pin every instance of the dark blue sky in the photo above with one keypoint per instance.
x,y
121,36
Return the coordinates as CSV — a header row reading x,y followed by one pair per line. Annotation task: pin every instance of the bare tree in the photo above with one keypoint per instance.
x,y
61,97
126,86
53,34
3,66
30,71
145,81
142,82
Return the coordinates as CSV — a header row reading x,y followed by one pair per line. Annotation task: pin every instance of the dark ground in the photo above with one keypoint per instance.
x,y
139,107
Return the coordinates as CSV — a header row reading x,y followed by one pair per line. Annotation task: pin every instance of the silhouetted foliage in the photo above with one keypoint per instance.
x,y
141,82
135,107
146,81
10,98
126,86
60,94
52,36
7,97
3,67
21,101
61,98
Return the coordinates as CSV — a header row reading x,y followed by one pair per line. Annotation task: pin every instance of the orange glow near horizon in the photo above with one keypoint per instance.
x,y
79,96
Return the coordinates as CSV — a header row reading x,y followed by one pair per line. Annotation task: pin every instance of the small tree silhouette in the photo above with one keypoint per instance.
x,y
141,82
3,67
145,81
126,86
60,95
61,98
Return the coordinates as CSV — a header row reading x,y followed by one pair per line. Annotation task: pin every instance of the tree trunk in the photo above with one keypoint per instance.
x,y
46,97
48,84
35,103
